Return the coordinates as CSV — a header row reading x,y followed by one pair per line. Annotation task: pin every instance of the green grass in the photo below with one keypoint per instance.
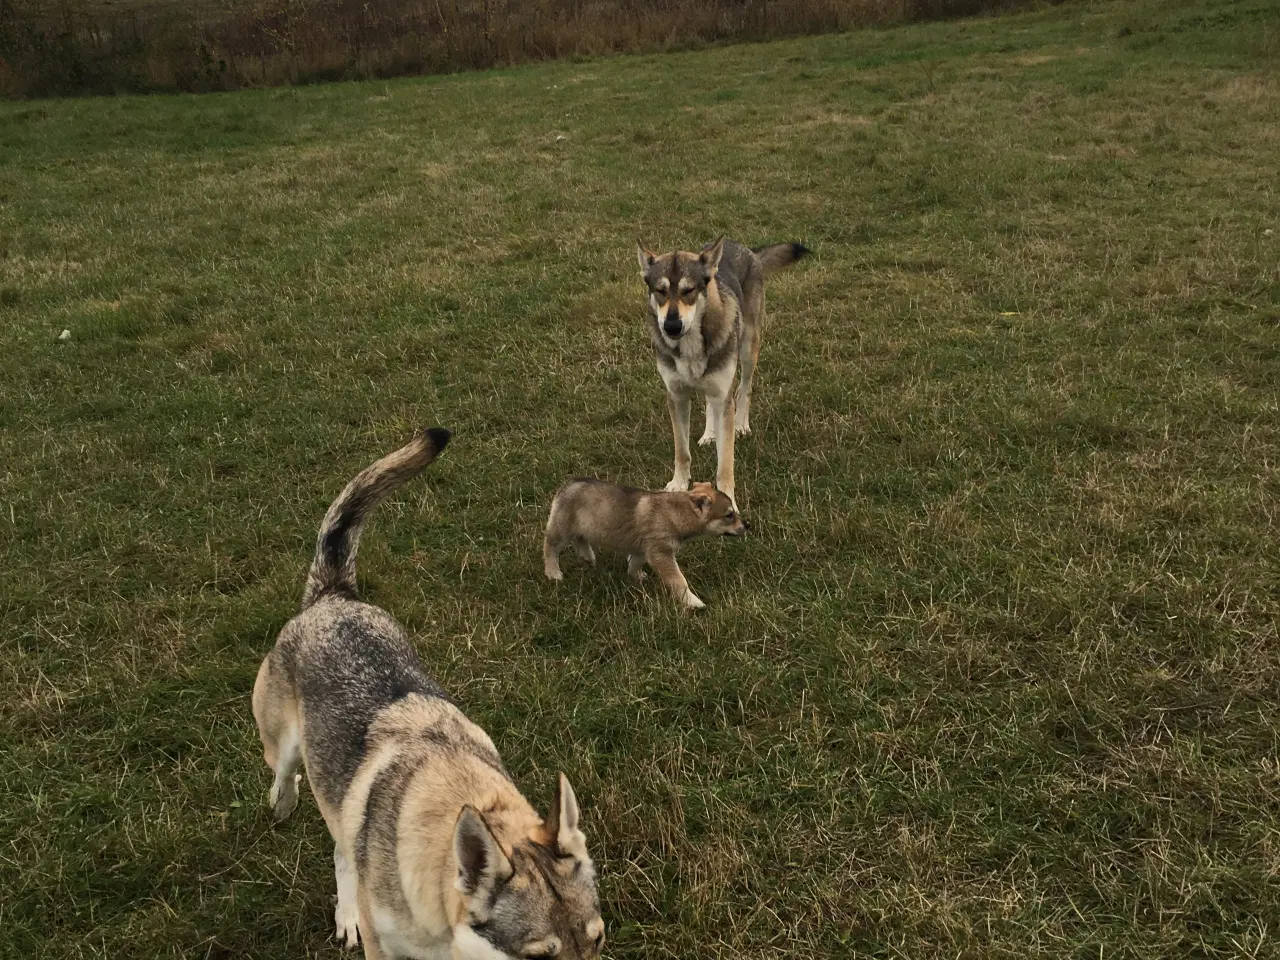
x,y
996,674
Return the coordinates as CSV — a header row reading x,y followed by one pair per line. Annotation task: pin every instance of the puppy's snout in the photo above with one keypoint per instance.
x,y
672,326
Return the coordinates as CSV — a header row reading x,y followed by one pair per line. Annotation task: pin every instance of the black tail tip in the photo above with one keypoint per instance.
x,y
439,436
799,250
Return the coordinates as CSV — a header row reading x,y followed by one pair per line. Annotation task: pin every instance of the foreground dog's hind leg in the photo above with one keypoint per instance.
x,y
276,711
372,945
635,566
678,406
664,564
347,912
584,549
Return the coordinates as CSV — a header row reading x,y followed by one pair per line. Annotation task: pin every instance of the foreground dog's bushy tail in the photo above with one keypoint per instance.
x,y
778,255
333,571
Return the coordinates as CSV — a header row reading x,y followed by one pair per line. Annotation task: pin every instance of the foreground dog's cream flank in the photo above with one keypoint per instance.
x,y
436,853
648,527
706,311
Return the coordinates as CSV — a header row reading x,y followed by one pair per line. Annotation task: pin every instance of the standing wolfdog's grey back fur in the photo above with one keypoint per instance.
x,y
333,571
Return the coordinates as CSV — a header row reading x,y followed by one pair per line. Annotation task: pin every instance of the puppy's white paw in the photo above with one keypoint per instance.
x,y
346,930
691,602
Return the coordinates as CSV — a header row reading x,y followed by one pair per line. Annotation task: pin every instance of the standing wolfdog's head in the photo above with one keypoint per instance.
x,y
535,901
677,285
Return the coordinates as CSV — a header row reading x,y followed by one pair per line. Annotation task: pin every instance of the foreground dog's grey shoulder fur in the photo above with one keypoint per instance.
x,y
435,850
706,314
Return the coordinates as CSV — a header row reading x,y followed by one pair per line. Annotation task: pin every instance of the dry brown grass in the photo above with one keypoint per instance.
x,y
71,46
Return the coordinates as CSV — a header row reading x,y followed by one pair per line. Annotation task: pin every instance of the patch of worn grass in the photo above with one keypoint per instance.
x,y
994,676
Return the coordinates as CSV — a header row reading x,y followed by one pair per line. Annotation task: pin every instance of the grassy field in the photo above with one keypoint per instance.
x,y
996,674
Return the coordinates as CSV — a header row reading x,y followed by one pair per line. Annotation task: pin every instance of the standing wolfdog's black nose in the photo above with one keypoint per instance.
x,y
672,327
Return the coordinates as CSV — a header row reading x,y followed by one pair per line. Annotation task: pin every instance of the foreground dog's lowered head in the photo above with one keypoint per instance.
x,y
706,314
649,527
436,852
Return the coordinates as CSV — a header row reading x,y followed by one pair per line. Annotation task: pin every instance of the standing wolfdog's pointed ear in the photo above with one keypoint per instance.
x,y
481,862
562,822
645,256
710,256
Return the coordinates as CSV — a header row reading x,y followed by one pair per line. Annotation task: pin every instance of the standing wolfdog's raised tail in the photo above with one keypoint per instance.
x,y
706,317
436,852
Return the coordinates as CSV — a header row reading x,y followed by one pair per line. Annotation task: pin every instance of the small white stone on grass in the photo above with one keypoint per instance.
x,y
65,335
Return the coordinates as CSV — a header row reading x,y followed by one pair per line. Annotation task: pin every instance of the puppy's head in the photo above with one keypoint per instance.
x,y
534,902
678,286
719,518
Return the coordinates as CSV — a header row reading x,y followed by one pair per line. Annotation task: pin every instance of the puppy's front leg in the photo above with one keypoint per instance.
x,y
678,406
635,566
668,571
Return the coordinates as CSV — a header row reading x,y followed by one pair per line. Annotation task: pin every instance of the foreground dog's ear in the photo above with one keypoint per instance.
x,y
562,822
645,256
710,256
481,863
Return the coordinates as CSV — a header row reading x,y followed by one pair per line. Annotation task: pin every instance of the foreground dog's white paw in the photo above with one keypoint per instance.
x,y
347,931
283,796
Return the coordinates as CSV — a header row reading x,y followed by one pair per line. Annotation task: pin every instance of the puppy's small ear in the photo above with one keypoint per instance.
x,y
701,503
710,256
562,822
481,863
645,257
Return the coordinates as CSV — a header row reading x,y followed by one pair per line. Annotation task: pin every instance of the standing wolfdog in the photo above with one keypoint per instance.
x,y
436,853
706,311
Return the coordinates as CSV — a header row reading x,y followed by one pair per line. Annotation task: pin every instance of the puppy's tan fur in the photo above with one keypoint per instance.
x,y
648,526
436,853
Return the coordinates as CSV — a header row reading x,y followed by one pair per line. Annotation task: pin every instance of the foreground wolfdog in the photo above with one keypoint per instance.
x,y
436,853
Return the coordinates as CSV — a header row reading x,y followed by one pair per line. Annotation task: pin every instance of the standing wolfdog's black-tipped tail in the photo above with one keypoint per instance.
x,y
778,255
333,571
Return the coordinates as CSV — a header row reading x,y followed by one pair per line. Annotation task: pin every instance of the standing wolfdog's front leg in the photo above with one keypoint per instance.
x,y
720,412
678,406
